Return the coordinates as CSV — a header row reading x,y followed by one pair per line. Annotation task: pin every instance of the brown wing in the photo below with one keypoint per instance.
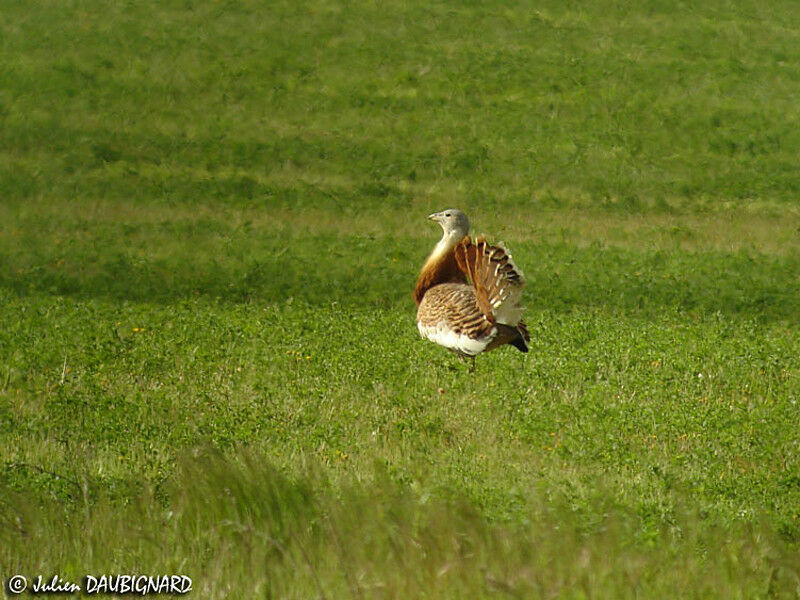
x,y
497,280
498,284
468,261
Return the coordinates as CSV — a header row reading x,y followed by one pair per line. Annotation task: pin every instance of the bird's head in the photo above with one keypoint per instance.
x,y
454,223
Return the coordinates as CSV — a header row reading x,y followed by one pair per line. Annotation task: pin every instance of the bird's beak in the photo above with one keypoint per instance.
x,y
434,217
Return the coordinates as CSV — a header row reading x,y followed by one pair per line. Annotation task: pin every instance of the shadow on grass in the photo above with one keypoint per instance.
x,y
360,272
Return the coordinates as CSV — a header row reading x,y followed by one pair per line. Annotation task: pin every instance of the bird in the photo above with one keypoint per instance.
x,y
468,292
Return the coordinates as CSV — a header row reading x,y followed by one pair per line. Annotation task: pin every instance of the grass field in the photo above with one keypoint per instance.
x,y
212,215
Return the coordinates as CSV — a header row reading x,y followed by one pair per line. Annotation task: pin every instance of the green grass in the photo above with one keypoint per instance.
x,y
211,219
659,105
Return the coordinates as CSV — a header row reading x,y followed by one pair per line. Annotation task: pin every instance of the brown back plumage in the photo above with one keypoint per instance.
x,y
443,270
454,304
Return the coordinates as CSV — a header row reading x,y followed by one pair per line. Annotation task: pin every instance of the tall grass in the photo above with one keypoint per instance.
x,y
239,528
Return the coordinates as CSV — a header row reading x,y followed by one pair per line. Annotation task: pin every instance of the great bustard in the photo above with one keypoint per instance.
x,y
468,293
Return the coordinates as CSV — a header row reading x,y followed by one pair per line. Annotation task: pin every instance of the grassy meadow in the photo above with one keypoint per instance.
x,y
212,215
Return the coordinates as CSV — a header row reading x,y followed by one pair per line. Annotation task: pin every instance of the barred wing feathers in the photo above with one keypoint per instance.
x,y
498,282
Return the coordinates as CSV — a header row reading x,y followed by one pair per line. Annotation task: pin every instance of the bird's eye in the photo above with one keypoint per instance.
x,y
447,215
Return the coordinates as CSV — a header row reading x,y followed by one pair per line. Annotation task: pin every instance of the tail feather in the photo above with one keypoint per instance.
x,y
497,280
519,344
524,337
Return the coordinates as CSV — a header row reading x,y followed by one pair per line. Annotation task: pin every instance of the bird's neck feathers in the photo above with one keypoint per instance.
x,y
441,266
445,246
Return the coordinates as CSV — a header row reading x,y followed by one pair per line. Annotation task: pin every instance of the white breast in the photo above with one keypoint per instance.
x,y
443,335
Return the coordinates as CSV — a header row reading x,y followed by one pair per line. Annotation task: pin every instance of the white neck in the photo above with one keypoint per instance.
x,y
447,243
